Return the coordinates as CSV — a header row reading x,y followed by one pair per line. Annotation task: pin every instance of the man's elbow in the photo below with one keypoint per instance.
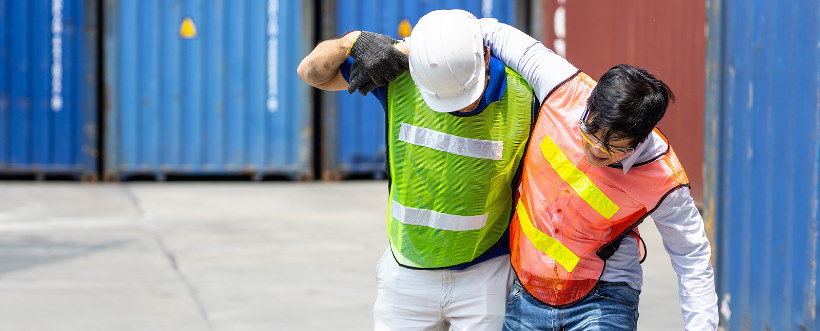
x,y
304,73
313,76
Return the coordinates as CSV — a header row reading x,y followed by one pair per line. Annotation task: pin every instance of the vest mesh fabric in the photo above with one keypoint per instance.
x,y
445,169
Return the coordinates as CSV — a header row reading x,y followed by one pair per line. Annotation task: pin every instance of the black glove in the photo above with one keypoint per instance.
x,y
359,79
377,58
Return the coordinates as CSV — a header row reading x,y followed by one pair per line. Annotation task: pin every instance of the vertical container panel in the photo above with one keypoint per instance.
x,y
148,97
280,38
40,56
665,37
5,84
63,125
128,143
192,87
171,136
256,27
353,126
85,87
236,35
48,106
199,88
215,16
21,98
763,117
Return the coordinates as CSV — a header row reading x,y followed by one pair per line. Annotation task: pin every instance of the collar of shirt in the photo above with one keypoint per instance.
x,y
650,148
495,88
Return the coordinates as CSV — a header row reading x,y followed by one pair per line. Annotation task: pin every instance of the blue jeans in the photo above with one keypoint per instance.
x,y
609,306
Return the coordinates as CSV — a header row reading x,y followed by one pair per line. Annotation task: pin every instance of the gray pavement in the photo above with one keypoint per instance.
x,y
213,256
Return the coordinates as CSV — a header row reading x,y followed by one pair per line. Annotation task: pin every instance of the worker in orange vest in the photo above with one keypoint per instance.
x,y
596,167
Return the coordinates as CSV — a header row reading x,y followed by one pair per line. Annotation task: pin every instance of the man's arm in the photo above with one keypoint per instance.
x,y
378,60
320,68
684,238
539,66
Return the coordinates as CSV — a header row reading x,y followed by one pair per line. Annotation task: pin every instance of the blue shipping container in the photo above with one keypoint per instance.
x,y
354,133
48,87
763,161
206,88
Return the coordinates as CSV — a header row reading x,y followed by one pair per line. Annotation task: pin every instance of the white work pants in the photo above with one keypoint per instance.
x,y
471,299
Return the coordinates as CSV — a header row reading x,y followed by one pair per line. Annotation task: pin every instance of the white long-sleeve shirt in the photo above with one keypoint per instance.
x,y
676,218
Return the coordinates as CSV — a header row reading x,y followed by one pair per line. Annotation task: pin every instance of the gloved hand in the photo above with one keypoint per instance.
x,y
361,80
377,59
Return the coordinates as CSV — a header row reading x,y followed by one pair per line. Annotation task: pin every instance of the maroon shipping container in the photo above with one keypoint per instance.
x,y
667,38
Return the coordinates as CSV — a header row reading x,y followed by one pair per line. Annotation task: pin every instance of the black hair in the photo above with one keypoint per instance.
x,y
627,103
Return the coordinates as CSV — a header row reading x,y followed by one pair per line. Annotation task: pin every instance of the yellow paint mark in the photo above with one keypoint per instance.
x,y
187,29
405,28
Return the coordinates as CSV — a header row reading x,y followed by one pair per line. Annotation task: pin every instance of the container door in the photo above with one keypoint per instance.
x,y
48,88
206,88
763,161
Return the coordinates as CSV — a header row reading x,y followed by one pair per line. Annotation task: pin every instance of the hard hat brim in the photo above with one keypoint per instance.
x,y
456,102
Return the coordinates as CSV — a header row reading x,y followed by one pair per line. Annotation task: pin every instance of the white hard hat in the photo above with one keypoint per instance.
x,y
446,53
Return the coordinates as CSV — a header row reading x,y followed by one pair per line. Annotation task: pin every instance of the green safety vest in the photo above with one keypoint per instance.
x,y
451,194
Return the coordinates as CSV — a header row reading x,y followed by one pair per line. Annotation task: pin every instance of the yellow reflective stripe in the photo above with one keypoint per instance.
x,y
577,179
543,242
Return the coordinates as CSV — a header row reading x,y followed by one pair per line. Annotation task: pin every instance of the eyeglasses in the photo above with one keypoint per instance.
x,y
589,138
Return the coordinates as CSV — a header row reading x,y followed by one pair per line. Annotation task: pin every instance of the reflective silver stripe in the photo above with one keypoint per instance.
x,y
436,220
440,141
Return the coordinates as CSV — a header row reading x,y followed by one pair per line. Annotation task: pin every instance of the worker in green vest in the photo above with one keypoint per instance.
x,y
457,124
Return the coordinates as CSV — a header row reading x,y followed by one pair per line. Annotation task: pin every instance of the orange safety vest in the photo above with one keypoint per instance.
x,y
571,214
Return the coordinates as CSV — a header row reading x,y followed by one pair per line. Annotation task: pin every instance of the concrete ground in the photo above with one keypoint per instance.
x,y
213,256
